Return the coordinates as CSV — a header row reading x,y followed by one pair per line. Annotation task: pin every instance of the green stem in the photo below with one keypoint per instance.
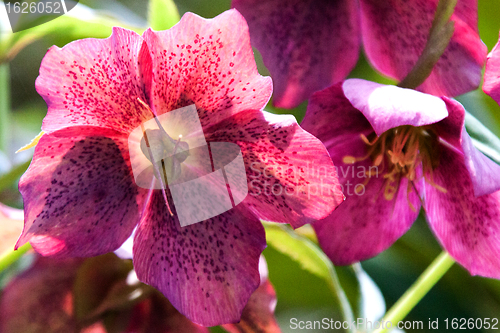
x,y
418,290
4,105
11,257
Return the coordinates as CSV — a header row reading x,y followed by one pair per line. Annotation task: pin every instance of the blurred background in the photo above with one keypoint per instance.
x,y
302,294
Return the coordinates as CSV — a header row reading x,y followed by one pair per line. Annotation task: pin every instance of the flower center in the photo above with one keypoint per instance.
x,y
398,153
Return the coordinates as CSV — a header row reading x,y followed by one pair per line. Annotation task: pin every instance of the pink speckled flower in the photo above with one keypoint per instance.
x,y
398,149
310,44
79,193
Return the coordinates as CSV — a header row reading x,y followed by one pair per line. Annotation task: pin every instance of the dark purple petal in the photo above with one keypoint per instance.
x,y
79,193
290,176
467,226
491,84
95,82
209,63
387,106
306,44
395,33
207,270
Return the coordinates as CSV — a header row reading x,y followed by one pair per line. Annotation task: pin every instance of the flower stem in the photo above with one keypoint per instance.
x,y
10,257
418,290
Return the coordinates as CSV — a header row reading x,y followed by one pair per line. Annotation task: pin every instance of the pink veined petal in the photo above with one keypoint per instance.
x,y
207,270
291,178
25,305
95,82
467,226
306,45
80,198
450,128
209,63
388,27
366,223
332,119
491,84
387,106
484,173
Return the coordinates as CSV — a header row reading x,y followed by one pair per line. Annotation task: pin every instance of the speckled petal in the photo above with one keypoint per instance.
x,y
207,62
25,305
207,270
80,198
491,84
258,315
387,106
395,33
290,176
95,82
467,226
306,44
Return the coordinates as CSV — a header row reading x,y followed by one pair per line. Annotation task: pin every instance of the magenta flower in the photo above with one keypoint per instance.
x,y
119,303
79,193
491,84
308,45
398,149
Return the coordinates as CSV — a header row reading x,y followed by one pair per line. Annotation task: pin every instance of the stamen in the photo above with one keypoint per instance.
x,y
157,172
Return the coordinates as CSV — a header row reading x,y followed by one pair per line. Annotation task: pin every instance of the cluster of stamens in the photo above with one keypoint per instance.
x,y
398,153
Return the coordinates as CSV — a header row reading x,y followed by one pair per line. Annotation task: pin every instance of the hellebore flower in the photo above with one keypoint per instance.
x,y
310,44
81,198
119,303
398,149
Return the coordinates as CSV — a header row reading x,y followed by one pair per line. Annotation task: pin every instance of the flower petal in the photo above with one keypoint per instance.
x,y
331,118
307,45
11,225
467,226
209,63
388,27
484,172
387,106
366,223
24,305
95,82
79,193
491,84
283,184
207,270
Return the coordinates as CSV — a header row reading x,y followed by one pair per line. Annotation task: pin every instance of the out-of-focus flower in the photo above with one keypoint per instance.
x,y
309,44
101,295
81,198
11,224
398,149
491,84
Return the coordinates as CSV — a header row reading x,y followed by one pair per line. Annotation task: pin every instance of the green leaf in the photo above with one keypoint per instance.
x,y
439,38
483,138
162,14
364,295
310,257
